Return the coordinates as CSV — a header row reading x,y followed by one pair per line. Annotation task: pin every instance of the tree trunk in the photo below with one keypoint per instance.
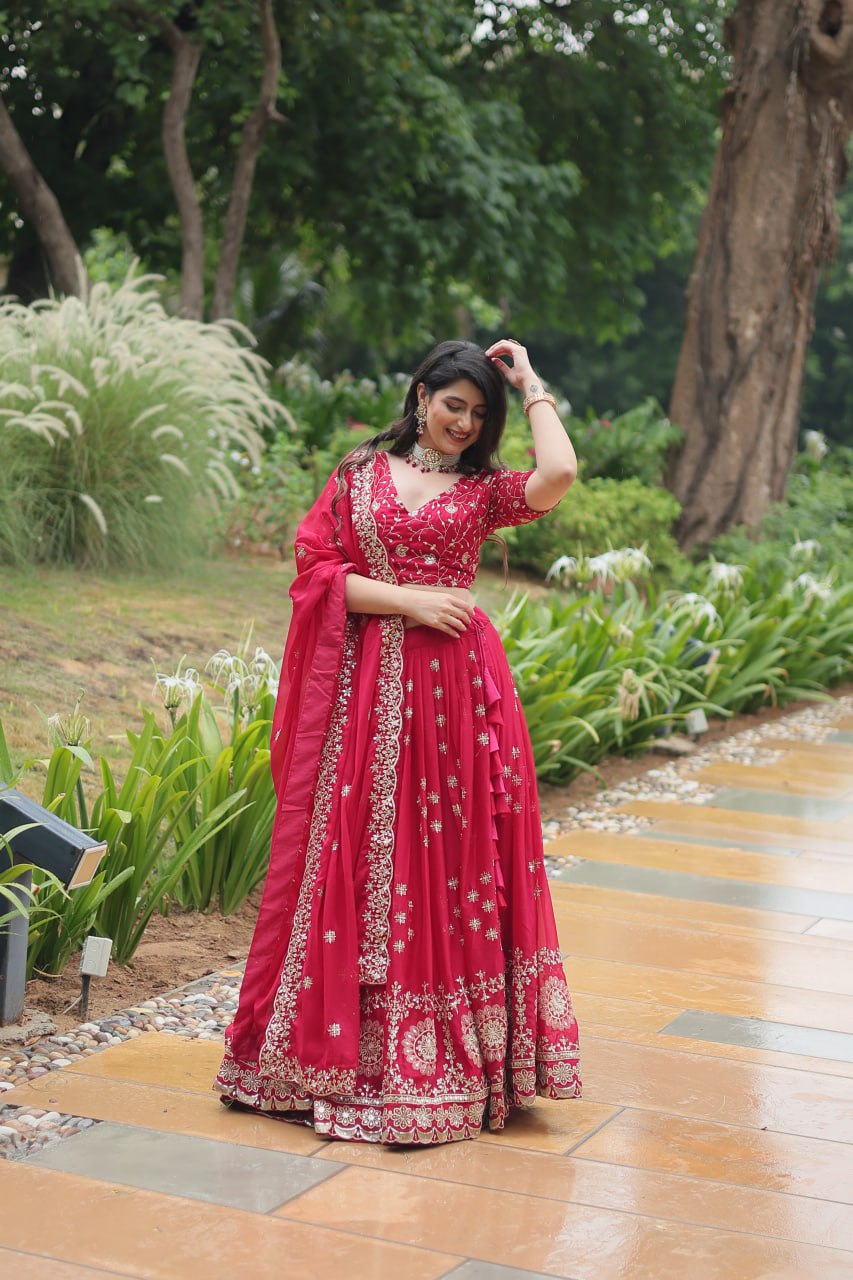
x,y
251,139
40,207
186,54
769,225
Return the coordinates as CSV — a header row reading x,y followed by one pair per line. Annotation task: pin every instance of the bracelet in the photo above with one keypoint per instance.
x,y
534,397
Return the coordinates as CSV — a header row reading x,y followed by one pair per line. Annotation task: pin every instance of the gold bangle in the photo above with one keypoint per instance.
x,y
534,398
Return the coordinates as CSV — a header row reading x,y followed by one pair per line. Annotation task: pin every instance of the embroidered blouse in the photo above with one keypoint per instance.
x,y
439,543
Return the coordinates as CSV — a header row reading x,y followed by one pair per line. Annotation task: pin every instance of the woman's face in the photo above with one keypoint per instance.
x,y
455,416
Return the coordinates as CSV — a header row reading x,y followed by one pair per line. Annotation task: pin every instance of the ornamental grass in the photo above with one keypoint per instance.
x,y
118,425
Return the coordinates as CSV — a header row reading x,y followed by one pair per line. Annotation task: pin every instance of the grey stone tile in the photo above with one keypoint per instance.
x,y
473,1269
196,1168
660,833
696,888
755,1033
779,802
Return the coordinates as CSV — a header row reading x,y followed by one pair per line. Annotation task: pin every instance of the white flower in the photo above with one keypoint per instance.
x,y
564,567
815,446
619,565
628,694
725,577
178,688
700,609
812,588
805,550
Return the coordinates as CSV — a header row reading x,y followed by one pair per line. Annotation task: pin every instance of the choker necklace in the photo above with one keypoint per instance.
x,y
431,459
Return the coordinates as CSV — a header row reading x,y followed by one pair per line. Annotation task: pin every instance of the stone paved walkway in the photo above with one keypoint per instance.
x,y
707,913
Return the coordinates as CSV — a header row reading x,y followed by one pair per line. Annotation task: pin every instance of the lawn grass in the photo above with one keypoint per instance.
x,y
65,632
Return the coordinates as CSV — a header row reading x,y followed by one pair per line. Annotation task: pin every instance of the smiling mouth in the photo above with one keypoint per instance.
x,y
460,439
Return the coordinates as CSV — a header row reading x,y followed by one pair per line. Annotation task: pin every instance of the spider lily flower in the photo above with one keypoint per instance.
x,y
628,694
700,609
619,565
812,588
725,577
178,688
815,446
71,731
564,567
805,550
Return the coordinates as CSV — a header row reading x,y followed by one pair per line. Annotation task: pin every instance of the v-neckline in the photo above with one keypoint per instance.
x,y
434,497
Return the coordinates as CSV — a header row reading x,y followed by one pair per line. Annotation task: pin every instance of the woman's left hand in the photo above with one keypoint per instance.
x,y
520,374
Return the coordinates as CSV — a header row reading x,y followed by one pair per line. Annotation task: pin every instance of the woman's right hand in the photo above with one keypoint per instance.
x,y
449,610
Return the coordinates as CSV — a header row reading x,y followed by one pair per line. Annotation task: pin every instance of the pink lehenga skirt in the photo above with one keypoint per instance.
x,y
474,1015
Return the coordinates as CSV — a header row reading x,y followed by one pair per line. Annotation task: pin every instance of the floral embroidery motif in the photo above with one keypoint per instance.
x,y
420,1047
370,1044
470,1039
491,1029
555,1004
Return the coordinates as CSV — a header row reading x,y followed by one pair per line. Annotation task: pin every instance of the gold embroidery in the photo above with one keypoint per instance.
x,y
379,854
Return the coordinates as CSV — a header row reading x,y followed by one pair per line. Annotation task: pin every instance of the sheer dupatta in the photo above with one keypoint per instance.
x,y
324,922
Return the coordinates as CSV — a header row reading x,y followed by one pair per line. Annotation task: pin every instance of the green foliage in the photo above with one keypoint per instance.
x,y
190,823
607,670
462,155
116,426
597,515
816,520
632,444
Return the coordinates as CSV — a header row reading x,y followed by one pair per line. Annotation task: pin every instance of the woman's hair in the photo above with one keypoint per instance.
x,y
448,362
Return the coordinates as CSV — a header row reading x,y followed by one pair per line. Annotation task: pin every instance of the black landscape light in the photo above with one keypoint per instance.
x,y
54,845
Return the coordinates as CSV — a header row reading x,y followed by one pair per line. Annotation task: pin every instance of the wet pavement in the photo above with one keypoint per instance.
x,y
708,928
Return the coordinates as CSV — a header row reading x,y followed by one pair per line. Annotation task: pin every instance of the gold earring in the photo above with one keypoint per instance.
x,y
421,417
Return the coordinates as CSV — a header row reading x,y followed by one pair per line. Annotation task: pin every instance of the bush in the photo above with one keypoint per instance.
x,y
606,670
324,406
816,518
117,426
635,444
596,515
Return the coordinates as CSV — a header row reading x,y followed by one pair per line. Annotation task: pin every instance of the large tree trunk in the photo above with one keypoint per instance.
x,y
769,225
251,139
40,207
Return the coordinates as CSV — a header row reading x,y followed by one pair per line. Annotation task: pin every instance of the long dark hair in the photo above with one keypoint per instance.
x,y
448,362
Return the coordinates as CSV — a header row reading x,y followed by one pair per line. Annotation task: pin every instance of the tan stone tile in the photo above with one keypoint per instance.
x,y
559,1239
157,1058
658,944
572,899
592,1026
702,1149
173,1111
782,777
717,994
739,1093
29,1266
160,1237
630,1190
763,828
705,859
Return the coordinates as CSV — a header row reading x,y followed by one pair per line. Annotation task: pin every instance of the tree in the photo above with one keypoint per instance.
x,y
134,35
770,225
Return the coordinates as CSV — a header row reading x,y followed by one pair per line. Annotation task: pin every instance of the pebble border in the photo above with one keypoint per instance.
x,y
204,1008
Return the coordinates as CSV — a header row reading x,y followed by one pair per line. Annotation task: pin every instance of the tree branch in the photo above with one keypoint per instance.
x,y
251,138
41,208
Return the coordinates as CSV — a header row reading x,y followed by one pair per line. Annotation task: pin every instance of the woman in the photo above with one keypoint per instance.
x,y
404,983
